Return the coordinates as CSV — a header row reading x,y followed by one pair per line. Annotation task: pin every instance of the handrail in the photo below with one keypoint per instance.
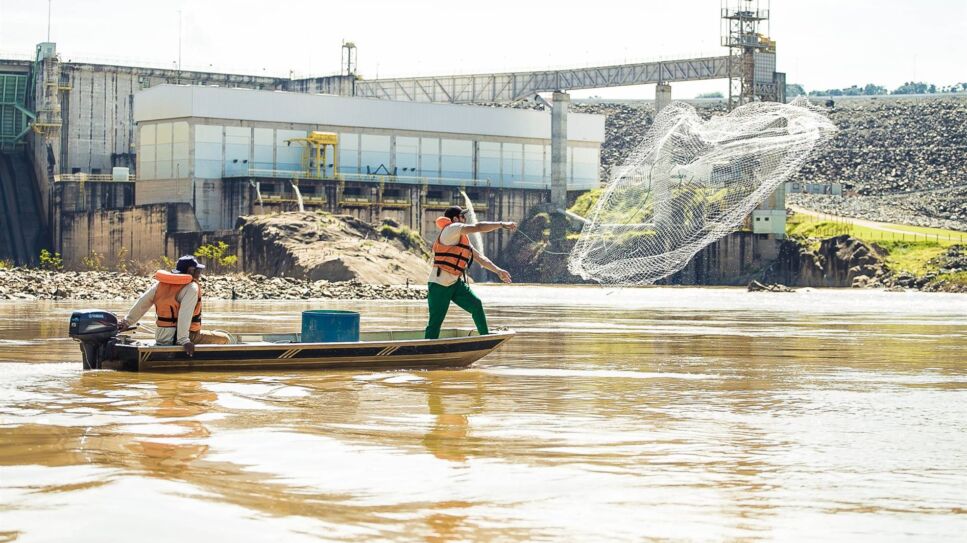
x,y
85,177
412,180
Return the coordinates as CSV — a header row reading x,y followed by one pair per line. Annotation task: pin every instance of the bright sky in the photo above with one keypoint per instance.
x,y
821,43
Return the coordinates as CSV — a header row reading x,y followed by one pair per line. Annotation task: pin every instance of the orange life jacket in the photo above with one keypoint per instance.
x,y
453,259
166,304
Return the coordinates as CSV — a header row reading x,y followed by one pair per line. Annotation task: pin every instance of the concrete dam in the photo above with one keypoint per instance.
x,y
140,163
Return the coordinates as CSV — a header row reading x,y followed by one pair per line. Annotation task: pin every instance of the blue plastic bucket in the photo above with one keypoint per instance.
x,y
329,326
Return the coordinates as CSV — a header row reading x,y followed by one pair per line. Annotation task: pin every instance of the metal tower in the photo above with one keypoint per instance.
x,y
752,54
348,58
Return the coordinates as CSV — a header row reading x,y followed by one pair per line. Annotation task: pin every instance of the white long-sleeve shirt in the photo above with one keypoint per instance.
x,y
451,236
187,298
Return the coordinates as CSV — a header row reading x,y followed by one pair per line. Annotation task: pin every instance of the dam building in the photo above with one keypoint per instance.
x,y
70,144
226,152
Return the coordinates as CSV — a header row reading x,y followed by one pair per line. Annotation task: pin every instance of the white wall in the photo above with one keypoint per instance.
x,y
180,101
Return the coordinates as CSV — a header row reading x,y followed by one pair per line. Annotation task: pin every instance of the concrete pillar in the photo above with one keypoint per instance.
x,y
663,96
661,195
562,101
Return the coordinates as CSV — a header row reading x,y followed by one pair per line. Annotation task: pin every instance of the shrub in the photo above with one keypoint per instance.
x,y
408,238
51,261
93,262
585,202
122,264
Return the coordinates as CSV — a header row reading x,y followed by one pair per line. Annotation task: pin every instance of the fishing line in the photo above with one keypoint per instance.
x,y
532,240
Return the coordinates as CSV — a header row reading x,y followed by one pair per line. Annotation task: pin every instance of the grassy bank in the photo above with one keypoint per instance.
x,y
825,226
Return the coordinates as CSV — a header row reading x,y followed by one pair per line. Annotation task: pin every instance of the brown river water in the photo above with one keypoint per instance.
x,y
614,415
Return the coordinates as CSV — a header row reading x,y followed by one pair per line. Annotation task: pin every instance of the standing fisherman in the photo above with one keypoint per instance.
x,y
452,255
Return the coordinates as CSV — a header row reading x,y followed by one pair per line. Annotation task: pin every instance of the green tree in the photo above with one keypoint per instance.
x,y
874,90
215,255
715,94
911,87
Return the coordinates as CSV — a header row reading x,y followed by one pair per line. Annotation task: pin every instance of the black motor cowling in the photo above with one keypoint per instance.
x,y
97,331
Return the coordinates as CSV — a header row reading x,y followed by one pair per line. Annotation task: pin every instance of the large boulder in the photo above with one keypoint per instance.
x,y
321,246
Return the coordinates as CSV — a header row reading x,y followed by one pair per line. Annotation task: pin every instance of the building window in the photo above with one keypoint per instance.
x,y
534,165
179,150
407,156
288,157
208,151
374,154
238,149
488,161
584,167
348,153
512,163
429,157
163,151
456,159
263,149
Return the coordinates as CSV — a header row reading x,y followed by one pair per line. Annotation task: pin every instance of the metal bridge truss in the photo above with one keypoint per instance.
x,y
15,118
509,87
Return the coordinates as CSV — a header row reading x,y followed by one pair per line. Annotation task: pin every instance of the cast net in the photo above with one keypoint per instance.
x,y
689,183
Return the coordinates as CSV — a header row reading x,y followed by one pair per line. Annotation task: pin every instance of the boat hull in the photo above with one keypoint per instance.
x,y
451,352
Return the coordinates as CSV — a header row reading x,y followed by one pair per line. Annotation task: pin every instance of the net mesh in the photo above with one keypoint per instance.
x,y
689,183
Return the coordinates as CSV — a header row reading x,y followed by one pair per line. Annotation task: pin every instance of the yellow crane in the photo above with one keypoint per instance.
x,y
314,152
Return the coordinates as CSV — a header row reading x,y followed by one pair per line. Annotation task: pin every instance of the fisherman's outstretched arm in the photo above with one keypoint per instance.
x,y
484,227
489,265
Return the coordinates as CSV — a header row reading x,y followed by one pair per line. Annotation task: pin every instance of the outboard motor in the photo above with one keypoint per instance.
x,y
97,331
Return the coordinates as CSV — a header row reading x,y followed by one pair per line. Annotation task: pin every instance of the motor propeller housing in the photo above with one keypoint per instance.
x,y
97,332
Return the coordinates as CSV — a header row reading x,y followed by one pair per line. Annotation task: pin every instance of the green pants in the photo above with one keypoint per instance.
x,y
439,297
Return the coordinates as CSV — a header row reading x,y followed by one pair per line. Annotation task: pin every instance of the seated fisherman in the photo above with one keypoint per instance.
x,y
452,255
176,298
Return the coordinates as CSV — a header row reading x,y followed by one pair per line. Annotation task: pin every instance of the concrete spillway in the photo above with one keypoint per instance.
x,y
22,232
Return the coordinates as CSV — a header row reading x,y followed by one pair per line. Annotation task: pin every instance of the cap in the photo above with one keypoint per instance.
x,y
186,262
453,211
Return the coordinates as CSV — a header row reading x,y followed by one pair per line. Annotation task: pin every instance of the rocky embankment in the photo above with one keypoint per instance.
x,y
840,261
321,246
34,284
844,261
948,265
891,145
